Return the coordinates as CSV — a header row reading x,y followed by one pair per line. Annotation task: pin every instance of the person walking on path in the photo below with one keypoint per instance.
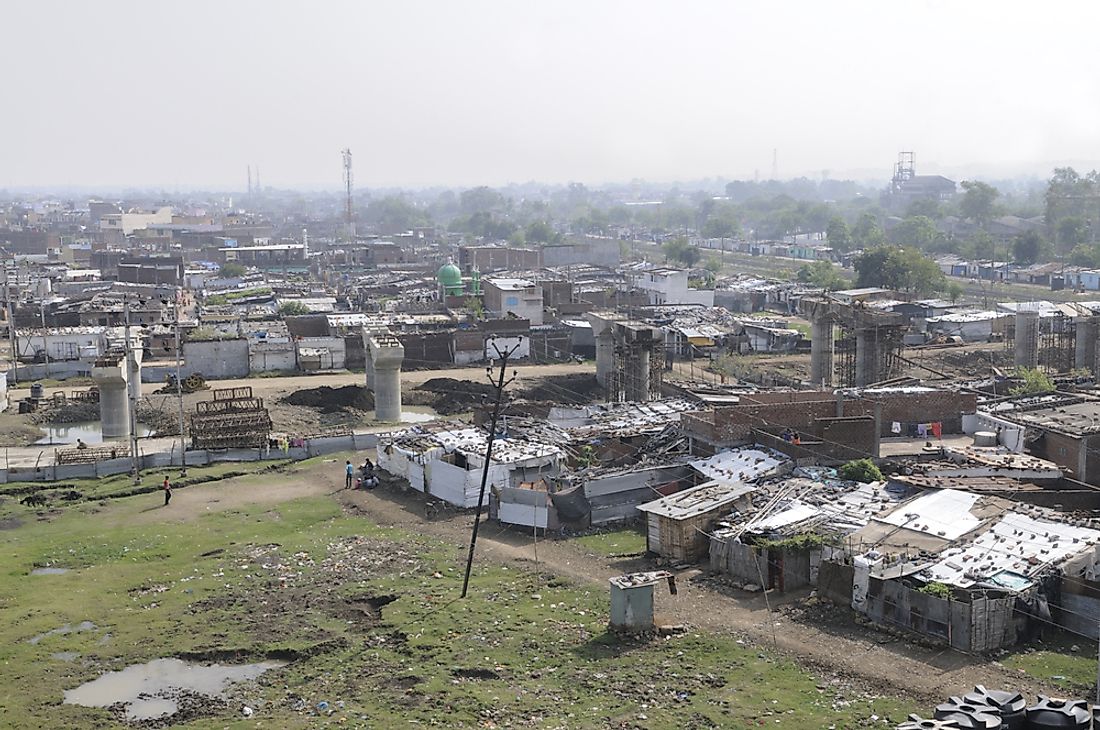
x,y
167,491
349,475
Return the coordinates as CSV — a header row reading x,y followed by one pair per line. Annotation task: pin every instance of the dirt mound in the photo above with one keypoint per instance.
x,y
456,396
331,400
572,388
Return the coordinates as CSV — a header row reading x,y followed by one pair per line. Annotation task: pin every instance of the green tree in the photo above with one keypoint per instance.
x,y
927,207
1084,254
1026,248
822,274
867,233
1031,380
979,201
232,270
982,245
481,200
722,220
1071,231
954,290
860,470
919,231
900,269
293,309
540,232
838,235
1072,196
712,264
681,251
394,214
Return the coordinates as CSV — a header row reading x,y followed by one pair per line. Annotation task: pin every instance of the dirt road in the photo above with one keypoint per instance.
x,y
820,637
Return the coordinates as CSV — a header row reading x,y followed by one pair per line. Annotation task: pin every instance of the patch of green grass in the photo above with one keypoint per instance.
x,y
621,541
1073,671
74,382
522,649
120,485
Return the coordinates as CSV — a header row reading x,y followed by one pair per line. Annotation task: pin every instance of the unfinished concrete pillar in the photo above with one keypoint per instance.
x,y
367,333
133,372
386,354
605,356
1027,339
638,382
821,353
111,375
1084,353
867,357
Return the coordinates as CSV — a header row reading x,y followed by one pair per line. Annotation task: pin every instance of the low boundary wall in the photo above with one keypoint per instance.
x,y
312,447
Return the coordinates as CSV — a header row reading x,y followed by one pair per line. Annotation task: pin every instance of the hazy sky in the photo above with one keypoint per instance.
x,y
188,93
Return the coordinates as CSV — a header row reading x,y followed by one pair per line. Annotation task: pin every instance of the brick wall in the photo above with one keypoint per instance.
x,y
943,406
800,410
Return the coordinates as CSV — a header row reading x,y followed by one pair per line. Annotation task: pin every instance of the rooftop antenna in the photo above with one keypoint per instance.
x,y
250,181
349,180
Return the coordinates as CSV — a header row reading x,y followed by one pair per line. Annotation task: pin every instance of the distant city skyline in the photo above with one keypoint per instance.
x,y
184,96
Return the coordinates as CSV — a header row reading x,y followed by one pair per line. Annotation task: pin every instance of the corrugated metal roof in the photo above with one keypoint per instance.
x,y
696,500
1015,544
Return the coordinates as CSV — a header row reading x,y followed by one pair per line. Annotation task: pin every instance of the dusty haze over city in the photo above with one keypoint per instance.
x,y
183,95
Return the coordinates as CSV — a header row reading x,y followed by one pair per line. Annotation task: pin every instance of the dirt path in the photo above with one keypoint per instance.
x,y
831,645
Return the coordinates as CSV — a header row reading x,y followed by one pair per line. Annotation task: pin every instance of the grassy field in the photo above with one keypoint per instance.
x,y
368,619
122,485
609,543
1072,671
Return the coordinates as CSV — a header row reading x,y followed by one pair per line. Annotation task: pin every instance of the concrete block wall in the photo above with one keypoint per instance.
x,y
111,467
216,359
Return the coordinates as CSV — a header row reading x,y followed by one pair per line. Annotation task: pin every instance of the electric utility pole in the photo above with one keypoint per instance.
x,y
131,371
499,384
179,385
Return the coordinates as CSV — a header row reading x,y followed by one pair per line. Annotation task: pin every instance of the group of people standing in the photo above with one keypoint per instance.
x,y
367,478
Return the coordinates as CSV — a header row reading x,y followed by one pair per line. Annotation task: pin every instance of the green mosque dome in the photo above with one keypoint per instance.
x,y
450,278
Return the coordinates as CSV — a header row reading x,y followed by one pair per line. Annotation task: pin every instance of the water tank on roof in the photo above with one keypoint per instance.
x,y
37,390
985,438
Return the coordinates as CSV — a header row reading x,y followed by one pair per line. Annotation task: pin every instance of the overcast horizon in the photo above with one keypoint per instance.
x,y
147,95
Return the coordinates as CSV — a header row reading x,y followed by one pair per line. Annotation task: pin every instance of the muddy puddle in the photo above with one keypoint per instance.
x,y
152,690
66,629
89,432
49,571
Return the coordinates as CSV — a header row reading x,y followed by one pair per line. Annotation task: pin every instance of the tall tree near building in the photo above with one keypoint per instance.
x,y
1026,248
867,233
919,231
900,269
821,273
979,202
1070,196
838,235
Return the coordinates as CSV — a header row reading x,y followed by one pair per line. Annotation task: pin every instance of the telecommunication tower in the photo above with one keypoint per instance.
x,y
348,182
